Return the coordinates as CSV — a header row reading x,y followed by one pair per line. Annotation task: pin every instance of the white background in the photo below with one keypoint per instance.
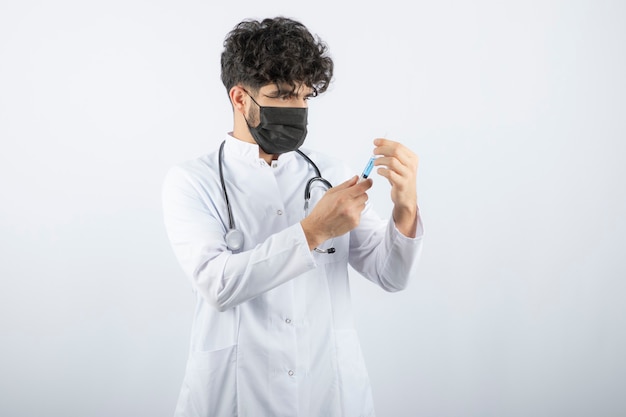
x,y
518,113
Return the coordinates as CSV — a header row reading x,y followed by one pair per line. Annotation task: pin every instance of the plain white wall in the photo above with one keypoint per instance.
x,y
517,110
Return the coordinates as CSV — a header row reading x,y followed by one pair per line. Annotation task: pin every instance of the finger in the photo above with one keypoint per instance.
x,y
396,178
390,162
365,185
361,200
393,164
393,177
393,149
357,204
346,184
361,187
405,157
387,143
384,141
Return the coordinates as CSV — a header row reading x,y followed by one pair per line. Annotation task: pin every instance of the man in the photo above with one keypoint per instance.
x,y
273,332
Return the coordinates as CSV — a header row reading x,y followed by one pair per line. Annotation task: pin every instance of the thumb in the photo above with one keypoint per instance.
x,y
346,184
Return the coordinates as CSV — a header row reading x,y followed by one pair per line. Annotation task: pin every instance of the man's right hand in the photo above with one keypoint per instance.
x,y
337,212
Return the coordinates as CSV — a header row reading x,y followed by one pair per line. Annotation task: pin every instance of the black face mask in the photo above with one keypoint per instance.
x,y
281,129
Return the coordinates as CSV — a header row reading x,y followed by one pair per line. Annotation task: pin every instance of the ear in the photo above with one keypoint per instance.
x,y
238,98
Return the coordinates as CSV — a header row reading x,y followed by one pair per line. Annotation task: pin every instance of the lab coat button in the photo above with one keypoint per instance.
x,y
290,372
288,321
279,212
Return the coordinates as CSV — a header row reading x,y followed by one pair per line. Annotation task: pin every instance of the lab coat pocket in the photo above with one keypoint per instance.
x,y
210,385
354,385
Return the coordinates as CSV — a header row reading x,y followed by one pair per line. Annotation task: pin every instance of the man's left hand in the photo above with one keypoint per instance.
x,y
399,164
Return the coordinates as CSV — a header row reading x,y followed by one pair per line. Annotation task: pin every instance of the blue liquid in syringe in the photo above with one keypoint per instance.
x,y
368,168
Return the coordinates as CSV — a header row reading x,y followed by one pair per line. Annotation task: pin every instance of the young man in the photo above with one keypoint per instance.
x,y
273,332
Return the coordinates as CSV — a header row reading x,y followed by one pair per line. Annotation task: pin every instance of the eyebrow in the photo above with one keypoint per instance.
x,y
278,92
274,93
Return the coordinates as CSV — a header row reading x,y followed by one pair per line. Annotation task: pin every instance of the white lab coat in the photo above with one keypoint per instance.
x,y
273,332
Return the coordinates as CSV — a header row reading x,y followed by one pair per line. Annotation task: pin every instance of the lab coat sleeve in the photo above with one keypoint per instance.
x,y
382,254
224,279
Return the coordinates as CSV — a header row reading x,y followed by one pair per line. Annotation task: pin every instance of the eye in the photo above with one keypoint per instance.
x,y
313,94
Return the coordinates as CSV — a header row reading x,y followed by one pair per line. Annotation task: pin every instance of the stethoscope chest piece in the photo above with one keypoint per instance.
x,y
234,239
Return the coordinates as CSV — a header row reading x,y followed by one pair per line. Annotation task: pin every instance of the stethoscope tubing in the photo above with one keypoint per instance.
x,y
234,235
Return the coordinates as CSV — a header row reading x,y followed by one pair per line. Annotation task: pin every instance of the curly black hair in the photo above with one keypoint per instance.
x,y
275,51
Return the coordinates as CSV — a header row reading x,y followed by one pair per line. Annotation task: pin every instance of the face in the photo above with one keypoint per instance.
x,y
278,95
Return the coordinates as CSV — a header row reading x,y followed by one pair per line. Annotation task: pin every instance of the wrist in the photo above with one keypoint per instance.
x,y
405,219
313,237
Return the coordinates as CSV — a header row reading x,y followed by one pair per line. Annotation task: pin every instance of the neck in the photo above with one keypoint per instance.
x,y
243,134
268,157
241,131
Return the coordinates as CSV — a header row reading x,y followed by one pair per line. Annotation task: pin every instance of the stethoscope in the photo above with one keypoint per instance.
x,y
234,236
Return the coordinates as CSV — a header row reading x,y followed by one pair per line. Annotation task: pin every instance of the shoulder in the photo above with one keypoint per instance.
x,y
197,172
